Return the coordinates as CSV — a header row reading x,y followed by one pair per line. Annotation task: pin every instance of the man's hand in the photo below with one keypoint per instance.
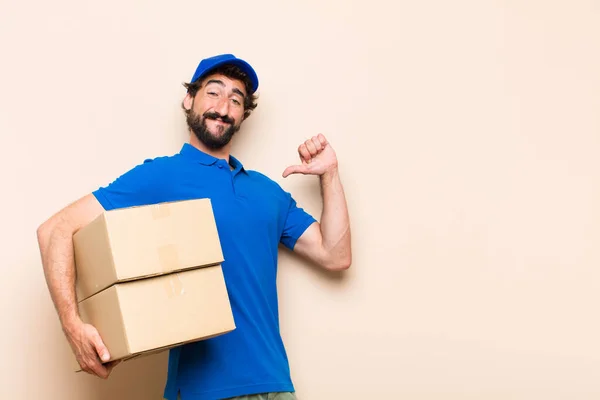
x,y
90,351
317,157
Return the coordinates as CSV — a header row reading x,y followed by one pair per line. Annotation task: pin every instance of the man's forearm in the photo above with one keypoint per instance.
x,y
335,221
56,248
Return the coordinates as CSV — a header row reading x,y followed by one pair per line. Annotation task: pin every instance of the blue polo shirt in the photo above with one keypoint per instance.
x,y
253,215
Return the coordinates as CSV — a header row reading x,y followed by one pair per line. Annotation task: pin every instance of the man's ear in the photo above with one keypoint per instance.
x,y
188,102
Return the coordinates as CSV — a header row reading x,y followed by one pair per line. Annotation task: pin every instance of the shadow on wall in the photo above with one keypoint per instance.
x,y
142,378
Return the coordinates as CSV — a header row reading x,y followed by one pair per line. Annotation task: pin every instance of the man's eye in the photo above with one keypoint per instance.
x,y
212,94
236,102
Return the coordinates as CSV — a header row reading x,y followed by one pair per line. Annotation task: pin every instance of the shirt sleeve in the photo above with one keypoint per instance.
x,y
296,222
138,186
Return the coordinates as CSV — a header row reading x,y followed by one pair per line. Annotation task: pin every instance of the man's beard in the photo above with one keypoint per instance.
x,y
197,124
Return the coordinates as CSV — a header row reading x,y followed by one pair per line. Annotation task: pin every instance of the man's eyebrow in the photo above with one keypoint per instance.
x,y
219,82
215,81
238,91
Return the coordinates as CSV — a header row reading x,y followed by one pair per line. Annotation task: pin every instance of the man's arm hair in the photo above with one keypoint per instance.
x,y
55,239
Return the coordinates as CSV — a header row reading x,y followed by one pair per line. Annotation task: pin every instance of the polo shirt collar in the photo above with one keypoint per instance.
x,y
193,153
236,164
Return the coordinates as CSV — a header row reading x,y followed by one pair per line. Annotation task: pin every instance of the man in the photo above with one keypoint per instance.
x,y
253,214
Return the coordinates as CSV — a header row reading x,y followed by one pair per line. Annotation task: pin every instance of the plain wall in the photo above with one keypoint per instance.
x,y
468,135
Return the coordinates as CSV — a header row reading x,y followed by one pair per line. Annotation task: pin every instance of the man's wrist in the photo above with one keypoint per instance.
x,y
71,324
329,175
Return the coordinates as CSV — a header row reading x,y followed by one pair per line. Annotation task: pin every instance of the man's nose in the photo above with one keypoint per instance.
x,y
222,107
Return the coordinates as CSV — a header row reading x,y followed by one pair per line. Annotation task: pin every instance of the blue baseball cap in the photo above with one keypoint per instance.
x,y
208,64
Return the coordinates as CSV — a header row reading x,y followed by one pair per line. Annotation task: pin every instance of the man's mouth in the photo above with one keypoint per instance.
x,y
218,118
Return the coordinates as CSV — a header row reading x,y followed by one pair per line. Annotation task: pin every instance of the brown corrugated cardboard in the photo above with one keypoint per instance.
x,y
130,243
157,313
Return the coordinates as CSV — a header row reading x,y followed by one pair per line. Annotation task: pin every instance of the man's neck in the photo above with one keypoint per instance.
x,y
222,153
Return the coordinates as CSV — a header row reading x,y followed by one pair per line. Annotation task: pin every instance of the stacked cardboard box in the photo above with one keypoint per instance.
x,y
149,278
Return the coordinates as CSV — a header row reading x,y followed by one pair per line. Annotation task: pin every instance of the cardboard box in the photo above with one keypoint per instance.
x,y
154,314
131,243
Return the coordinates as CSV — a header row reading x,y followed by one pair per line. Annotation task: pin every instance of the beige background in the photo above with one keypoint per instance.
x,y
468,134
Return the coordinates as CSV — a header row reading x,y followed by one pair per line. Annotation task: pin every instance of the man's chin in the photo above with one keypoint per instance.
x,y
216,133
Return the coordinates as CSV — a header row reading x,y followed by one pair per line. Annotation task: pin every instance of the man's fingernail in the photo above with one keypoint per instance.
x,y
105,357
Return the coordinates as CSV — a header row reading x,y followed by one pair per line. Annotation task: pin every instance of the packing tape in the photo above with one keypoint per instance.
x,y
168,257
160,211
174,285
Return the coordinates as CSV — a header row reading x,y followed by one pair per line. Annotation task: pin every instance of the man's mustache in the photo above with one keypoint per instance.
x,y
216,116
